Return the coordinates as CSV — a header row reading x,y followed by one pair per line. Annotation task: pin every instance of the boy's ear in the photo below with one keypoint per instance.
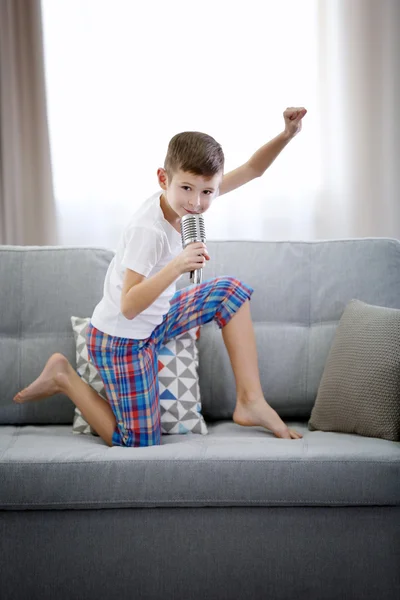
x,y
162,178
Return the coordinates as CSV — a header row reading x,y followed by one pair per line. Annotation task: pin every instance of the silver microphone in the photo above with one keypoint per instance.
x,y
192,230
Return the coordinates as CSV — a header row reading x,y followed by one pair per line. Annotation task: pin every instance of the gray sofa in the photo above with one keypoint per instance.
x,y
237,514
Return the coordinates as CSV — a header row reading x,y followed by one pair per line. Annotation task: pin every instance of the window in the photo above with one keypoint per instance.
x,y
123,78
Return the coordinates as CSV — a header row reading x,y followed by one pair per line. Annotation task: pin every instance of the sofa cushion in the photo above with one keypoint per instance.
x,y
360,387
41,287
301,290
180,404
45,467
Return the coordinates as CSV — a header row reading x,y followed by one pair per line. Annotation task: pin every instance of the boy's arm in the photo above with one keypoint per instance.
x,y
138,292
259,162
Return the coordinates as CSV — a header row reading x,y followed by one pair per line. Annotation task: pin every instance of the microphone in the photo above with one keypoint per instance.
x,y
192,230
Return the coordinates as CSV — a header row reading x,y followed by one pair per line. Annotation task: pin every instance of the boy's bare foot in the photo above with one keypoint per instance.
x,y
48,382
259,412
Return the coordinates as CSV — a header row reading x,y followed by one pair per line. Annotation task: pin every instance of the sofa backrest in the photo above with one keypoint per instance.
x,y
301,290
40,288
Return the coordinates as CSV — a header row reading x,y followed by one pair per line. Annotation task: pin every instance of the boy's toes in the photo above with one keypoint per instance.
x,y
295,435
287,434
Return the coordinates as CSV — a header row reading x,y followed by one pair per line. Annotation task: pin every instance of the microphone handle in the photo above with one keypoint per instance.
x,y
196,276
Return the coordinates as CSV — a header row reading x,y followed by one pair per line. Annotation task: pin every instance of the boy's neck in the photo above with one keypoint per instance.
x,y
169,214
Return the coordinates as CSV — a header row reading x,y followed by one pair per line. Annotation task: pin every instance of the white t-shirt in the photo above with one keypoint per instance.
x,y
147,244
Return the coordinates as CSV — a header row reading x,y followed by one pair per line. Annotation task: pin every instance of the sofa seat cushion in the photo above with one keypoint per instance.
x,y
47,467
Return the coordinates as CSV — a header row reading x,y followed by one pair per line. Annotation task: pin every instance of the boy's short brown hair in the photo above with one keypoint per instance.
x,y
194,152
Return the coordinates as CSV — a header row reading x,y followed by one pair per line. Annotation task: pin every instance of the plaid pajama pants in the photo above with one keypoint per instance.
x,y
129,367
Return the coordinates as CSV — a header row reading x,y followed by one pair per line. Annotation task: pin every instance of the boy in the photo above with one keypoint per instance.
x,y
140,309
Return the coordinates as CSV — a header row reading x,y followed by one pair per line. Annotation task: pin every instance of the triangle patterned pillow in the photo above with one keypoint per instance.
x,y
179,388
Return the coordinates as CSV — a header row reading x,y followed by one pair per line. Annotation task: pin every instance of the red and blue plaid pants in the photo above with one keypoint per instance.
x,y
129,368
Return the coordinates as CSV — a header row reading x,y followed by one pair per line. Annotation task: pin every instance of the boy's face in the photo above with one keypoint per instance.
x,y
187,193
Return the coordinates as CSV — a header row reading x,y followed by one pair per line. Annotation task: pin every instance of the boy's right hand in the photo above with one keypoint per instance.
x,y
193,257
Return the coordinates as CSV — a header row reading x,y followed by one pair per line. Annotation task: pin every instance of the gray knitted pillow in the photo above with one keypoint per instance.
x,y
360,387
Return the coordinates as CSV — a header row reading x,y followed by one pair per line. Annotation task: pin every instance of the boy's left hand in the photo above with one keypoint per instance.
x,y
293,117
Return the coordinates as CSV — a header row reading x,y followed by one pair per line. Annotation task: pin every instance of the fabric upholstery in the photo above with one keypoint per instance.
x,y
360,387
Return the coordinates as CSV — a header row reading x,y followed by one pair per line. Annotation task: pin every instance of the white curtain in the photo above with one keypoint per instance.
x,y
27,208
359,87
122,81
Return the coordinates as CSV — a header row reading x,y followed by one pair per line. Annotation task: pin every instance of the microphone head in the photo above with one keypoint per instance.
x,y
192,229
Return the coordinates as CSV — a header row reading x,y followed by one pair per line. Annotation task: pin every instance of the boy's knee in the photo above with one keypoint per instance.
x,y
229,283
226,281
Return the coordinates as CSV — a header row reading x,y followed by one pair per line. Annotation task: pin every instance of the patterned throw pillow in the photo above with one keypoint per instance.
x,y
179,389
